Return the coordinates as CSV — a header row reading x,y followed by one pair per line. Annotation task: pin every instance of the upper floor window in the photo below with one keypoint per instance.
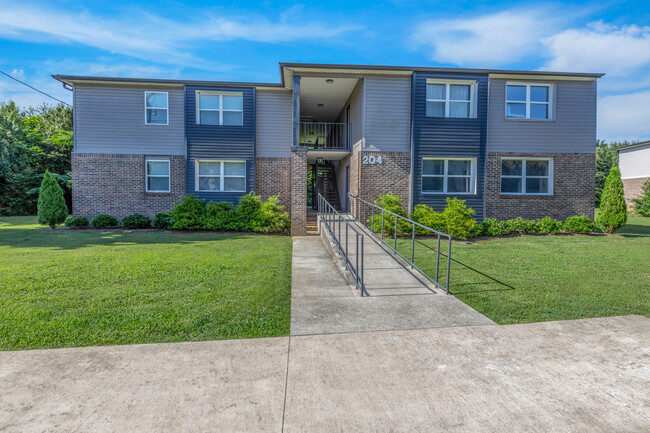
x,y
220,176
530,176
528,101
449,176
220,108
155,107
157,173
451,98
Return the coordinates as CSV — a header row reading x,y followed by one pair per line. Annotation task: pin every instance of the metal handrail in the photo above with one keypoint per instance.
x,y
331,219
324,135
355,206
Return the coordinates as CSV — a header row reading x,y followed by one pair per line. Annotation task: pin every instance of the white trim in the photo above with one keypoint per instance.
x,y
540,77
445,176
220,110
147,175
156,108
523,176
528,102
221,175
473,84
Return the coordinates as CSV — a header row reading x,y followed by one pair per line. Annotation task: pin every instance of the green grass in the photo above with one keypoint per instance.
x,y
80,288
539,278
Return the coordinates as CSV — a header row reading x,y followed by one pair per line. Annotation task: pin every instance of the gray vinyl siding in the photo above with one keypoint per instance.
x,y
388,113
274,124
109,119
572,130
356,120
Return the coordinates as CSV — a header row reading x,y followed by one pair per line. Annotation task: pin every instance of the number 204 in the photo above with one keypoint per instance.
x,y
372,159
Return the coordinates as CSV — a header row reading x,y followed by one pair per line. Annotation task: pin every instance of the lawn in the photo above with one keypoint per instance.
x,y
81,288
524,279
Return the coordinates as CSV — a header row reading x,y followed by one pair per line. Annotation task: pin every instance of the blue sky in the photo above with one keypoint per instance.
x,y
244,41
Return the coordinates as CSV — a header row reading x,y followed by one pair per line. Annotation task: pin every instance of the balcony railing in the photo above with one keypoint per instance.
x,y
324,135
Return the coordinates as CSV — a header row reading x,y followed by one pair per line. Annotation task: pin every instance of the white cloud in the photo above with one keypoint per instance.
x,y
488,40
624,116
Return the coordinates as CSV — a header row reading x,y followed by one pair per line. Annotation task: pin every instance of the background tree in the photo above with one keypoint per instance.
x,y
642,203
52,209
613,210
606,158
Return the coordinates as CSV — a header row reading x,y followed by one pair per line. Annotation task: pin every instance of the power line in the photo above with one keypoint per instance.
x,y
34,88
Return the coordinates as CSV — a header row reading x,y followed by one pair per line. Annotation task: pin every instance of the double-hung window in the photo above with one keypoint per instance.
x,y
157,173
220,176
532,176
449,176
155,108
529,101
451,98
220,108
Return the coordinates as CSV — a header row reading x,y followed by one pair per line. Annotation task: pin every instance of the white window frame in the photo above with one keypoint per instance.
x,y
528,102
146,92
221,176
220,109
147,175
446,176
523,176
473,84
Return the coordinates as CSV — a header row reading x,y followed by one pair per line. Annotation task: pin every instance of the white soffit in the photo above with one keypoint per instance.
x,y
333,96
540,77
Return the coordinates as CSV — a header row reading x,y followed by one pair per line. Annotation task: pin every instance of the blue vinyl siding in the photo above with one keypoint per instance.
x,y
452,138
220,142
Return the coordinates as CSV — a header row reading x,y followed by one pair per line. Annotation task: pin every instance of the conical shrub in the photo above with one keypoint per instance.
x,y
613,210
51,203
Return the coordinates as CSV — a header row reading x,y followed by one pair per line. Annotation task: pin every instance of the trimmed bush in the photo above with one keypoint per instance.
x,y
135,221
548,226
494,227
162,221
425,215
521,226
75,222
578,224
52,209
273,219
103,221
188,214
459,218
248,213
642,203
219,216
613,210
393,203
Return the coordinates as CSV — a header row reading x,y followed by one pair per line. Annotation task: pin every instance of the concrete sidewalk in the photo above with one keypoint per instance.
x,y
322,300
588,375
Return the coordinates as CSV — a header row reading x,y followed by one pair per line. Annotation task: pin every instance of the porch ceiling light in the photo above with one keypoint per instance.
x,y
320,105
329,81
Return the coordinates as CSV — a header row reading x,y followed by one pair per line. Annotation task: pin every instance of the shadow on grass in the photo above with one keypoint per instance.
x,y
634,231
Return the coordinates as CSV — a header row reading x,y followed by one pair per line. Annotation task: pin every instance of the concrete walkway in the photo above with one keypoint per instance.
x,y
323,302
574,376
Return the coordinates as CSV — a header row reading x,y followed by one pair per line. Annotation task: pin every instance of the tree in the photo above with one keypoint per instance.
x,y
606,158
52,209
613,210
642,203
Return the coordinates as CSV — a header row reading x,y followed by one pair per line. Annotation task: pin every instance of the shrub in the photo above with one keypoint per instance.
x,y
494,227
248,214
188,214
219,216
426,216
642,203
136,221
273,219
75,222
162,221
103,221
459,218
521,226
393,203
52,209
548,225
613,210
578,224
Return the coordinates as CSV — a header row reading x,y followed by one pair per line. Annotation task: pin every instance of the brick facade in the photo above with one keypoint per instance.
x,y
392,175
298,192
114,184
574,177
273,177
632,188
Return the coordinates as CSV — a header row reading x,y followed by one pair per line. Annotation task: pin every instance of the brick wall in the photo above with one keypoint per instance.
x,y
632,188
574,180
298,192
114,184
273,177
392,175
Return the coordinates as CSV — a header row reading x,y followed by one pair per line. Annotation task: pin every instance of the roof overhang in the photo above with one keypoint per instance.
x,y
633,146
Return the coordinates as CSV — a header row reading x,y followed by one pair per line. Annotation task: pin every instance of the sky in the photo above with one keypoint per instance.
x,y
245,41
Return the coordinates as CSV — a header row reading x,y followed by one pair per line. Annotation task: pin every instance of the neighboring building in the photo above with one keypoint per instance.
x,y
510,143
634,162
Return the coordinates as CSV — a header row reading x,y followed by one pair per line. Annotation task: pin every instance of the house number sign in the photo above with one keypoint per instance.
x,y
372,160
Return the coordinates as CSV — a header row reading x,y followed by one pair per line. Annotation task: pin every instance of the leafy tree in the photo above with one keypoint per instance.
x,y
52,209
613,210
642,203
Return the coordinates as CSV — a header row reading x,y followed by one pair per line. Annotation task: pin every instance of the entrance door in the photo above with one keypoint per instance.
x,y
346,202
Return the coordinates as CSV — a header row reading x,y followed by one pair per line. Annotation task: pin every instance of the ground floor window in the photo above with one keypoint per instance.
x,y
529,176
449,175
220,176
157,175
